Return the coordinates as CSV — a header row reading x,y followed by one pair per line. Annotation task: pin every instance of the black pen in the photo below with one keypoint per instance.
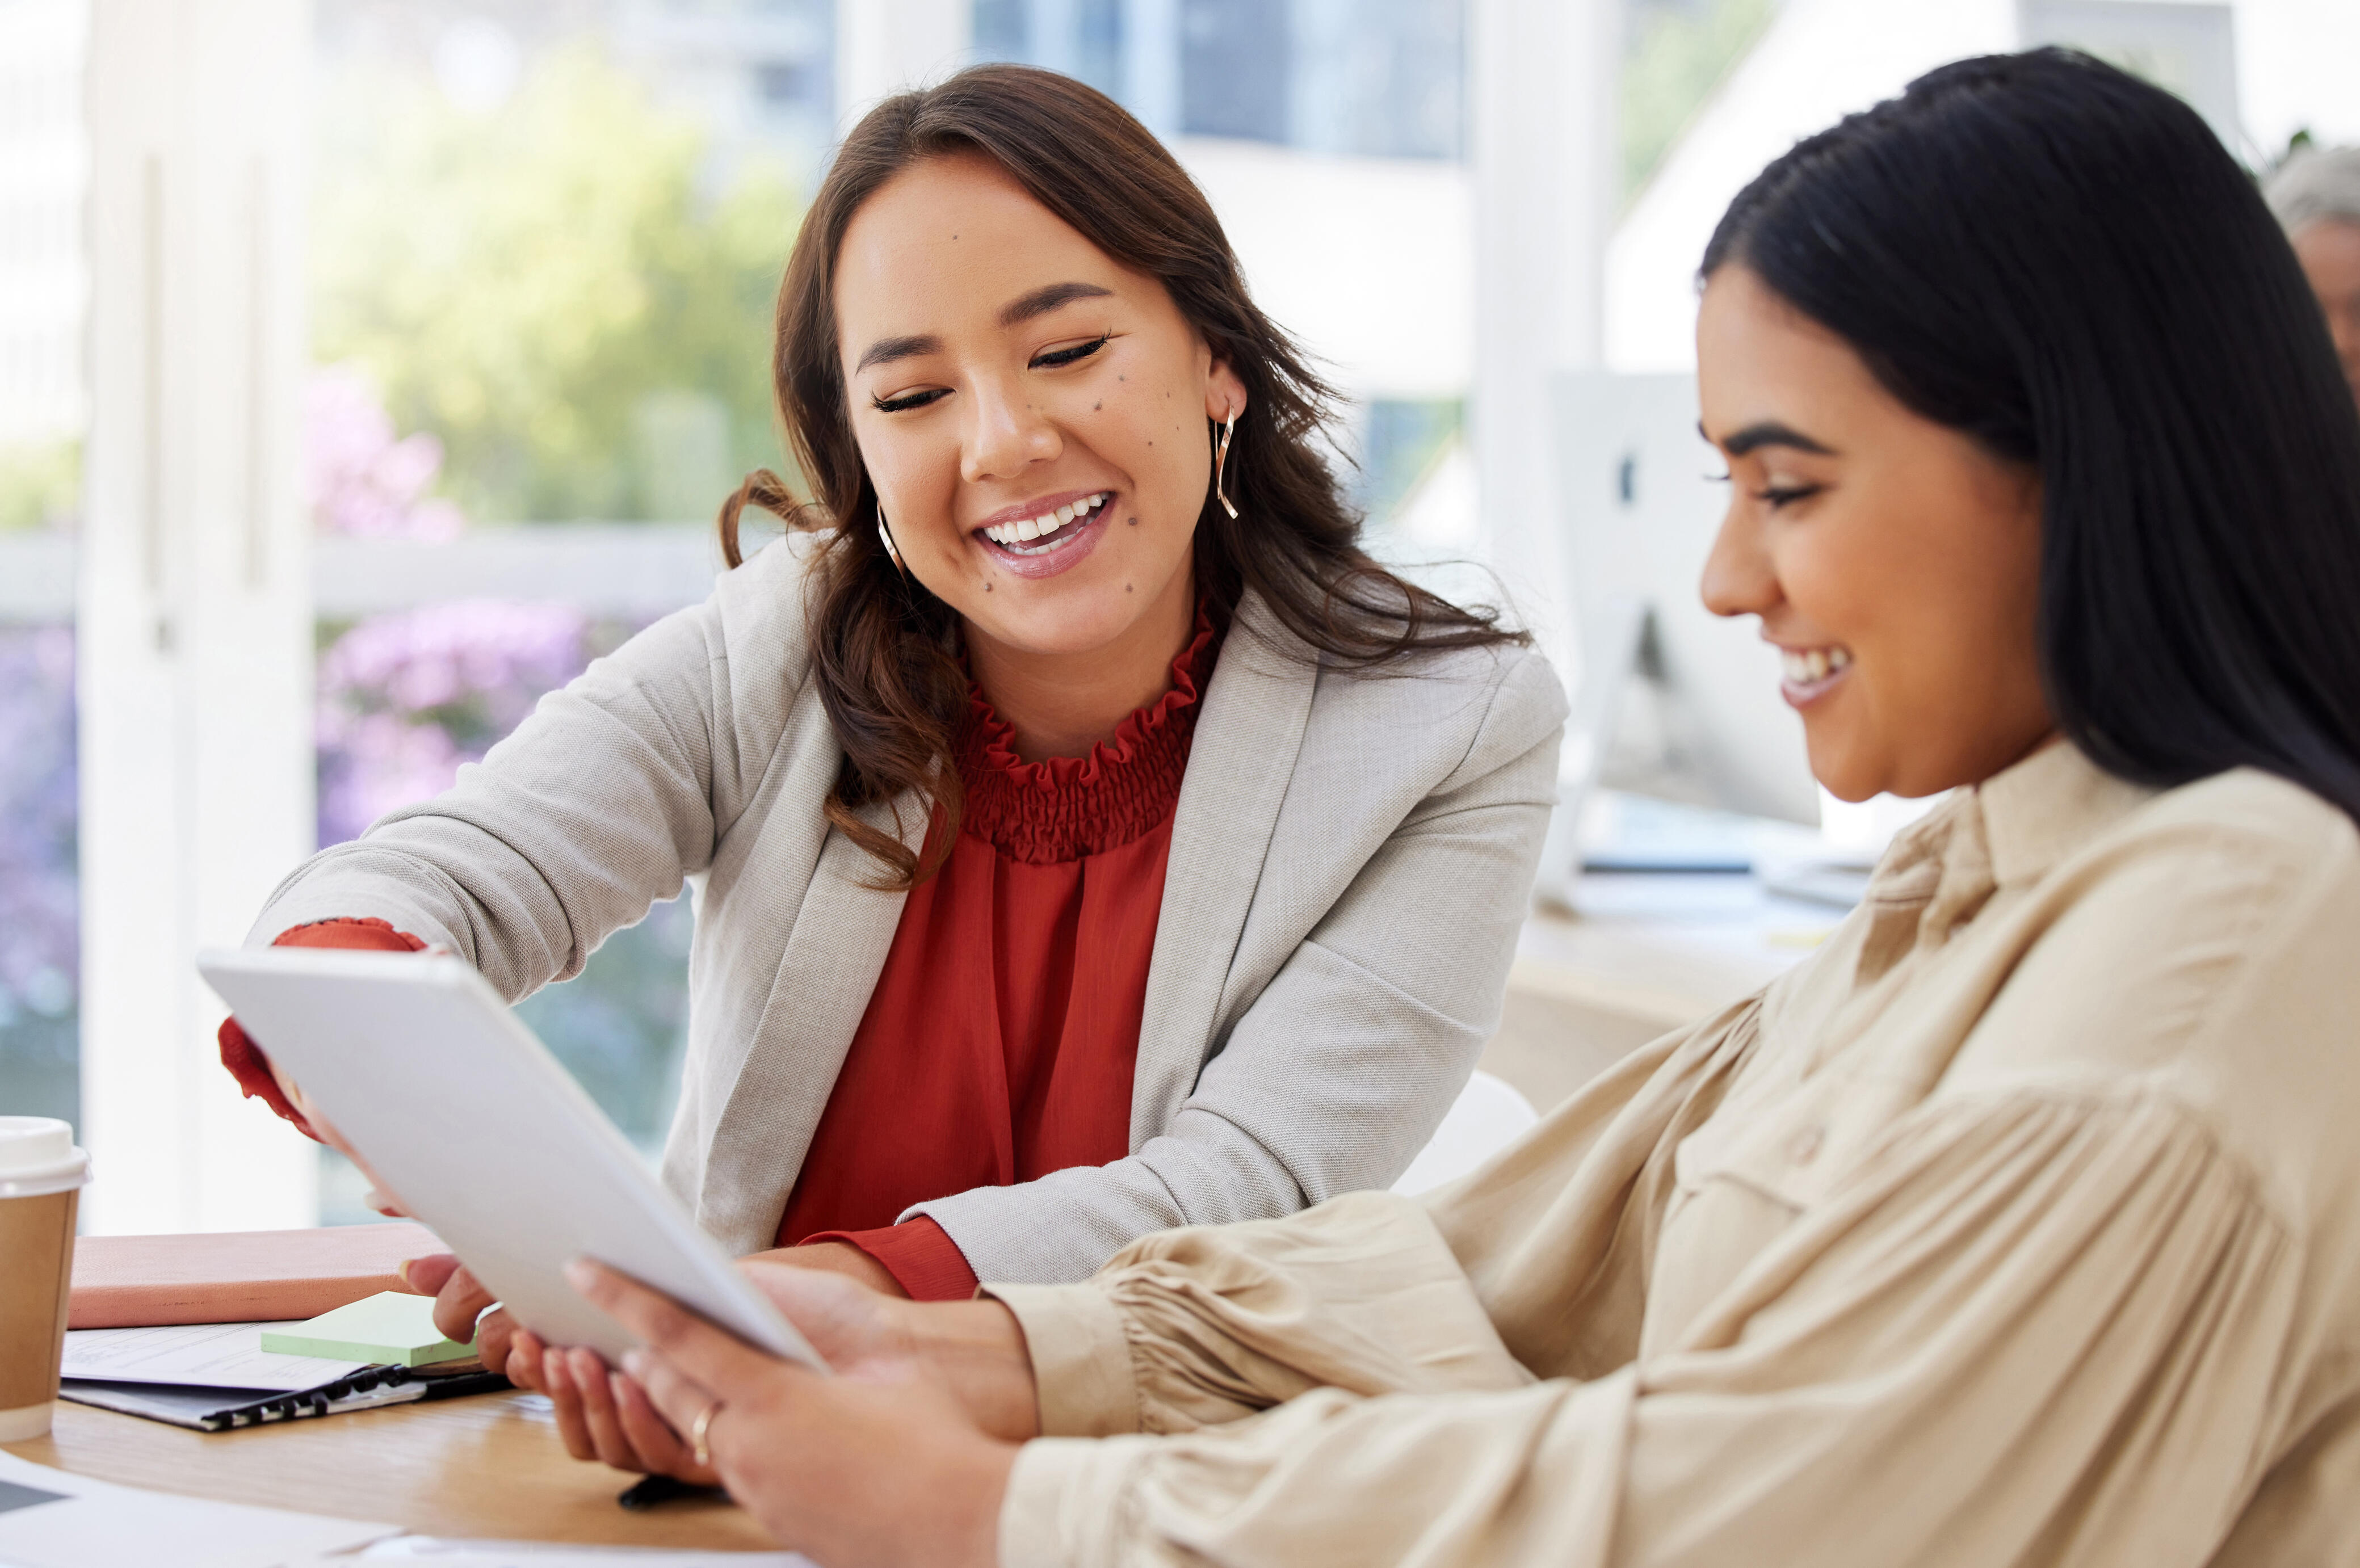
x,y
650,1490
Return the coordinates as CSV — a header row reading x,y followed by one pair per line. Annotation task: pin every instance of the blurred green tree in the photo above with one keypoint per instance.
x,y
553,289
1676,54
40,485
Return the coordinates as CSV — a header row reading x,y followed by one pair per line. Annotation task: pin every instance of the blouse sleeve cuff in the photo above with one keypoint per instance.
x,y
1081,1360
253,1075
919,1254
1059,1511
245,1059
348,932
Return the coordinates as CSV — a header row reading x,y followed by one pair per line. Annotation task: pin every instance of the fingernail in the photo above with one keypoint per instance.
x,y
634,1362
579,1274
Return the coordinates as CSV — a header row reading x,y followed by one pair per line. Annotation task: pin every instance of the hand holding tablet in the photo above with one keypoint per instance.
x,y
519,1175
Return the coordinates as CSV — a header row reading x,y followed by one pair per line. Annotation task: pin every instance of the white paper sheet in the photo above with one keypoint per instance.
x,y
556,1554
206,1355
49,1519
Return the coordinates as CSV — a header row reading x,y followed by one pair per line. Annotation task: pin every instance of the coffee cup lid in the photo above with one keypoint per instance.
x,y
37,1156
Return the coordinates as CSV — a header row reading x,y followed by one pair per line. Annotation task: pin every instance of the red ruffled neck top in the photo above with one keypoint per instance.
x,y
998,1044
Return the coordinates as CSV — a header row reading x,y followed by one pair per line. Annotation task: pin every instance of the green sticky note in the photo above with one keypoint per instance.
x,y
389,1326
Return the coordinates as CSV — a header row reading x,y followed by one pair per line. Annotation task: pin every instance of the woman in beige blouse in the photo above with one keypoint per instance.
x,y
2021,1222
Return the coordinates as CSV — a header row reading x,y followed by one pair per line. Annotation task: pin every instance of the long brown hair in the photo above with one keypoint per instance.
x,y
883,650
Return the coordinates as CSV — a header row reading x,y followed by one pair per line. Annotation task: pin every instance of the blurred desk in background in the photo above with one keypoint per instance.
x,y
489,1466
1646,953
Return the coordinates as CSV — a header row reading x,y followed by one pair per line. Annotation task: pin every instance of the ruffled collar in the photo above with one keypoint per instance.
x,y
1069,807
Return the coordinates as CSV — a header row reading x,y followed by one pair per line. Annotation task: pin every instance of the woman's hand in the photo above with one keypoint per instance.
x,y
885,1463
577,1389
973,1348
604,1416
459,1303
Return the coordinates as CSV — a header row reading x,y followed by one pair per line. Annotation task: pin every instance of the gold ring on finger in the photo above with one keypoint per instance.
x,y
696,1431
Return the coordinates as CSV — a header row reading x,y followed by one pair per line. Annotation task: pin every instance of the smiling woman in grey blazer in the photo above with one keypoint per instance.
x,y
1352,830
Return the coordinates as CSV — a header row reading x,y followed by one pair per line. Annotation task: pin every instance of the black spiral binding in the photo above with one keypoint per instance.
x,y
309,1401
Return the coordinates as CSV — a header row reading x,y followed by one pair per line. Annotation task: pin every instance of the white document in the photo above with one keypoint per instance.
x,y
49,1519
553,1554
198,1355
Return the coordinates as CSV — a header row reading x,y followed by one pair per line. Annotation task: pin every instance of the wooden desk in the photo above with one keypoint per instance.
x,y
488,1465
1645,953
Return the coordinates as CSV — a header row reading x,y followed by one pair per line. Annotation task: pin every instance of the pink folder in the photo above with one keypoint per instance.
x,y
260,1276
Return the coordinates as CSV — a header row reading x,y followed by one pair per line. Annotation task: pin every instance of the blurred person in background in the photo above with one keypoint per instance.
x,y
2316,195
1090,837
2020,1224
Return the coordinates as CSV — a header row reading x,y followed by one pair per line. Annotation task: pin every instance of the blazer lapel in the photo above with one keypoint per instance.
x,y
1248,735
817,999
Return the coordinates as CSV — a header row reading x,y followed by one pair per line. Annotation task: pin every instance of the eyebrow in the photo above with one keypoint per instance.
x,y
884,351
1041,301
1762,433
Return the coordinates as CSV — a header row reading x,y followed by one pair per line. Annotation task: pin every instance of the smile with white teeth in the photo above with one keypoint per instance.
x,y
1809,666
1018,536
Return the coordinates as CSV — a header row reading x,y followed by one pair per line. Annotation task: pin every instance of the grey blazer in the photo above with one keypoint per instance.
x,y
1350,860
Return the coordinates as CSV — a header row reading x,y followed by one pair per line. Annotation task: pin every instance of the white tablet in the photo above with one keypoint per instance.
x,y
456,1106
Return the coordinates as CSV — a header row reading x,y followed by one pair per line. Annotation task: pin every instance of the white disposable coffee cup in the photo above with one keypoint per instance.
x,y
42,1178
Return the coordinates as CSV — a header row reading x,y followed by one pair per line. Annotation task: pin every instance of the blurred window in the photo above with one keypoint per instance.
x,y
1083,39
793,82
1234,69
1356,78
1378,78
40,934
1676,53
1402,444
44,284
547,236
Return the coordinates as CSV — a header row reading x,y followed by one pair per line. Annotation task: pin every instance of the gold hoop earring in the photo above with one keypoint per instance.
x,y
885,532
1221,462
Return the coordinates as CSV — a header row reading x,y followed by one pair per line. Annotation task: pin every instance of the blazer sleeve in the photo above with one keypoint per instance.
x,y
1341,1070
600,804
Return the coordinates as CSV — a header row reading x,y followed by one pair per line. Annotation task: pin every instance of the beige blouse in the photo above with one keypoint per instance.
x,y
2019,1225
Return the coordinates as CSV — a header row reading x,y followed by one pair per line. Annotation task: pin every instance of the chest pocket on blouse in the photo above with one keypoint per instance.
x,y
1776,1143
1739,1182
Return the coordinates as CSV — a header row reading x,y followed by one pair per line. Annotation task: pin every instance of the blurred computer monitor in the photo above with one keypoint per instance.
x,y
1671,701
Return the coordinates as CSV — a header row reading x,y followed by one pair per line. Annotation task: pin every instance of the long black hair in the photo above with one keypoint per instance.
x,y
2063,262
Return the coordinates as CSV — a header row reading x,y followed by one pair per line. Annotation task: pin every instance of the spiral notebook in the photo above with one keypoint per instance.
x,y
214,1377
220,1409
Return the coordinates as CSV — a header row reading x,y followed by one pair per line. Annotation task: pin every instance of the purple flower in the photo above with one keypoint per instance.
x,y
41,939
361,479
404,698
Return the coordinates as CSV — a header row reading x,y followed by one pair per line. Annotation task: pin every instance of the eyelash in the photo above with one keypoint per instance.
x,y
1074,356
1777,496
1054,359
